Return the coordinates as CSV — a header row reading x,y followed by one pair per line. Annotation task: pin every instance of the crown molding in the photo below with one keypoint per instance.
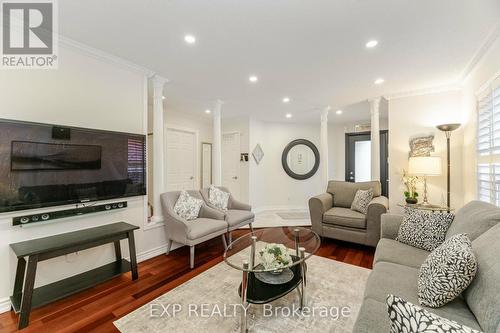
x,y
425,91
104,56
480,53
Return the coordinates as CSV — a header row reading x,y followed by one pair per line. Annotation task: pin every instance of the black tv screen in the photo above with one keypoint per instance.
x,y
39,168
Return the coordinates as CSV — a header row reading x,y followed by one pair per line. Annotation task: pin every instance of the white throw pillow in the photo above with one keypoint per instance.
x,y
218,198
446,272
424,229
361,200
409,318
188,207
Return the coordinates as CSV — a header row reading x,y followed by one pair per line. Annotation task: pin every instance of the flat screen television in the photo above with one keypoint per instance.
x,y
44,165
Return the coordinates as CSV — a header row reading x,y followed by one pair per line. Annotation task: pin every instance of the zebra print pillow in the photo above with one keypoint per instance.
x,y
446,272
361,200
424,229
408,318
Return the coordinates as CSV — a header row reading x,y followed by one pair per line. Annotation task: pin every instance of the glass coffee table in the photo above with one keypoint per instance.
x,y
262,285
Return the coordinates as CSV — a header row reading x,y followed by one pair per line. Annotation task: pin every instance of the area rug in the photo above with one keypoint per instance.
x,y
209,303
281,218
293,215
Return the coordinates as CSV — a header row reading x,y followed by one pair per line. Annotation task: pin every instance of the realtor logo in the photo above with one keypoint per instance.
x,y
29,34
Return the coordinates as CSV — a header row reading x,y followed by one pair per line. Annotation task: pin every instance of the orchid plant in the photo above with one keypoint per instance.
x,y
411,185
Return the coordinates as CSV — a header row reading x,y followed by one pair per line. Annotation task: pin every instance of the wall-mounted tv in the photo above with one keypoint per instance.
x,y
39,168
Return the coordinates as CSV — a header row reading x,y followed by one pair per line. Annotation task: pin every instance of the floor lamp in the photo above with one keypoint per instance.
x,y
447,129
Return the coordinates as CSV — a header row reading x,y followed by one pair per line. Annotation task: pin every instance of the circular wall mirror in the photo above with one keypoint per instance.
x,y
300,159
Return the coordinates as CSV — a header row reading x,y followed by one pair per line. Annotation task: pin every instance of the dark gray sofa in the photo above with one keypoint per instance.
x,y
396,268
331,214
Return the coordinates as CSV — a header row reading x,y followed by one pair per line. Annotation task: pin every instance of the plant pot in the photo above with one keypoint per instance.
x,y
411,201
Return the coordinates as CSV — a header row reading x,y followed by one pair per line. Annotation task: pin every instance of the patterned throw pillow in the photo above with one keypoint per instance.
x,y
218,198
424,229
408,318
446,272
187,206
361,200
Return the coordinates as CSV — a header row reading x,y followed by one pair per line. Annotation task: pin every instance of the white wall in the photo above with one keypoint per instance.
x,y
487,68
418,116
88,92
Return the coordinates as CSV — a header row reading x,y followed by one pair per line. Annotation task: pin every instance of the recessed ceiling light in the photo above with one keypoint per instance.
x,y
379,81
371,44
338,112
207,111
286,99
253,78
162,97
190,39
288,115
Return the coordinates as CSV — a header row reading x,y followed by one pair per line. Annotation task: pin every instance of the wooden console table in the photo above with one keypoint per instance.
x,y
24,299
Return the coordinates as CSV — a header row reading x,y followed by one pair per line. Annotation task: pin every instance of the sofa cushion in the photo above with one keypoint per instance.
x,y
474,219
390,250
187,207
203,227
407,317
388,278
235,217
483,294
424,229
345,217
361,200
446,272
369,321
344,192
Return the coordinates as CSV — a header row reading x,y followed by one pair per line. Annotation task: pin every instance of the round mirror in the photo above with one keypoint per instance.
x,y
300,159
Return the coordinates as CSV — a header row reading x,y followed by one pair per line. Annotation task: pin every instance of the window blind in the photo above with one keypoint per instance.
x,y
136,153
488,143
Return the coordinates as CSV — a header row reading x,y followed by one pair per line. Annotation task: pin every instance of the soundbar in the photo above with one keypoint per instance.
x,y
42,217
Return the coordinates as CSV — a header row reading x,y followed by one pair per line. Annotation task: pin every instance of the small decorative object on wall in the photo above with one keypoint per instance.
x,y
411,195
258,154
421,146
244,157
362,128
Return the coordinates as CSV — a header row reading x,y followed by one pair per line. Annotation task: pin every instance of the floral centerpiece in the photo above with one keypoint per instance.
x,y
410,182
275,257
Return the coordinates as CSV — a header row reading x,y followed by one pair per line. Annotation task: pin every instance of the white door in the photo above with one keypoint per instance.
x,y
181,160
231,162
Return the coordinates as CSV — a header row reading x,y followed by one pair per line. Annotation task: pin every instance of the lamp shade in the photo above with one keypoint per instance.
x,y
425,166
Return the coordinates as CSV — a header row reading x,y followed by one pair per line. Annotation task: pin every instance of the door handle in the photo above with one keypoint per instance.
x,y
191,177
235,177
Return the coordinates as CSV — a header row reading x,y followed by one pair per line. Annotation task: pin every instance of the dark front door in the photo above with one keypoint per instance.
x,y
358,158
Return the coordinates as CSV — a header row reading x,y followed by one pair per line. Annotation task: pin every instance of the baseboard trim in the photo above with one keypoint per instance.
x,y
4,305
284,207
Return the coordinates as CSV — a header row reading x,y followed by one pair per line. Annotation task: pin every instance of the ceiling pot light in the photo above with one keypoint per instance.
x,y
190,39
371,44
286,99
288,115
253,78
162,97
207,111
379,81
338,112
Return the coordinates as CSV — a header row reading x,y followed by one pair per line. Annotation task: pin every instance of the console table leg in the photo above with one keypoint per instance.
x,y
118,250
133,257
18,284
29,282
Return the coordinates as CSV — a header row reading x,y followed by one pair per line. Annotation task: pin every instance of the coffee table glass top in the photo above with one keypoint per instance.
x,y
300,244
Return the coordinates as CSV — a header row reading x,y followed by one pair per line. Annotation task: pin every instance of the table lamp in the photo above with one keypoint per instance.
x,y
425,166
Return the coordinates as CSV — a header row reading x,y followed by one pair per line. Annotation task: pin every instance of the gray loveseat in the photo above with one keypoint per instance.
x,y
396,268
332,217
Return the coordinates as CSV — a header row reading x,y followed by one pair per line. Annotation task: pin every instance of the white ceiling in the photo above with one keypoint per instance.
x,y
312,51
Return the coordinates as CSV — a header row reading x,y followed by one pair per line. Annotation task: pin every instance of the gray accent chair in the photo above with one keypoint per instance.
x,y
208,225
332,217
238,214
396,269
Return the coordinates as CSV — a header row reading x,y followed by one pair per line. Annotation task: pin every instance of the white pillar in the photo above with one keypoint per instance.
x,y
159,171
375,137
324,147
217,145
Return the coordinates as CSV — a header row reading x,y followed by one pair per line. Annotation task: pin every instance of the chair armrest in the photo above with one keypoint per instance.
x,y
211,213
318,205
376,208
235,204
390,225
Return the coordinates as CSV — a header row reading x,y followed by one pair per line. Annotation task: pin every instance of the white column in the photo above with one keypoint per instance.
x,y
375,137
217,145
324,147
159,167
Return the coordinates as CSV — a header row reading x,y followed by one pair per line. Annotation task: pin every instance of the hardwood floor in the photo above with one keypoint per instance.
x,y
94,310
